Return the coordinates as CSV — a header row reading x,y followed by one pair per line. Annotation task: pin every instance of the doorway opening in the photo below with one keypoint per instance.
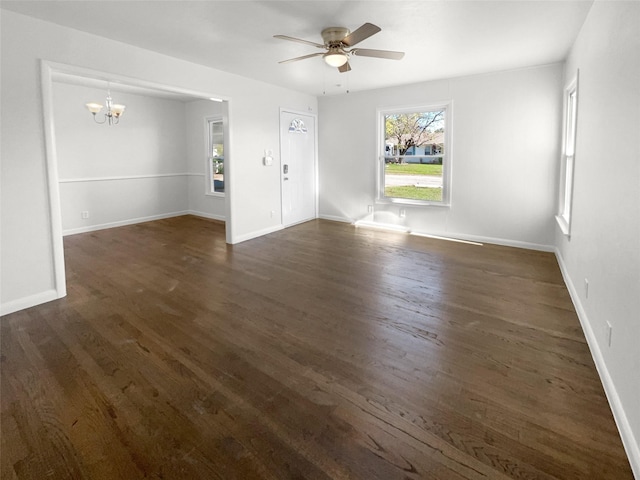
x,y
102,176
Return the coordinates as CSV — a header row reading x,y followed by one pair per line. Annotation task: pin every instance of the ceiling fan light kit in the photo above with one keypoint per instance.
x,y
335,58
338,43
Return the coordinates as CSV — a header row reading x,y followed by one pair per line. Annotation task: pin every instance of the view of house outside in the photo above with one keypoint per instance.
x,y
216,156
413,155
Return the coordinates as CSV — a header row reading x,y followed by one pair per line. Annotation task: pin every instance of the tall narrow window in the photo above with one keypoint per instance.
x,y
414,160
568,156
215,157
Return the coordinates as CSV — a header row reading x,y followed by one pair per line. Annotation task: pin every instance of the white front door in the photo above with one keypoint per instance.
x,y
297,167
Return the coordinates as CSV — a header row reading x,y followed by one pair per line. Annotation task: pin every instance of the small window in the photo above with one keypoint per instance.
x,y
414,162
215,157
568,155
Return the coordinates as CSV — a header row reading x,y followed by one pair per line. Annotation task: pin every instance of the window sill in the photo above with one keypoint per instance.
x,y
410,202
214,194
564,225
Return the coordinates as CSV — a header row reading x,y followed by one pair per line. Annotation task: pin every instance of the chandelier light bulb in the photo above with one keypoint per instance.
x,y
113,113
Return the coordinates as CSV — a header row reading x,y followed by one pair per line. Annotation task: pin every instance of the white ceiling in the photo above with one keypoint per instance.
x,y
441,38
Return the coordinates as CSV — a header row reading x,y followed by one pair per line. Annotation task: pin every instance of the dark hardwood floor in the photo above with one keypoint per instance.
x,y
321,351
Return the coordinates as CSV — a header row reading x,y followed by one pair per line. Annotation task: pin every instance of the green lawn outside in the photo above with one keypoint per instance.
x,y
414,193
413,169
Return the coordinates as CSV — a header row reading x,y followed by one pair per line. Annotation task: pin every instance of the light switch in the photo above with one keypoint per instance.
x,y
268,157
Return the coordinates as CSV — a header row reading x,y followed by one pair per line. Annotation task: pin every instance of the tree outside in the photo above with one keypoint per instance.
x,y
410,139
407,130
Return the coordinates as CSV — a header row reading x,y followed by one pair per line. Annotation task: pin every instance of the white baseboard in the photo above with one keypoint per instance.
x,y
30,301
455,236
335,218
492,240
211,216
622,422
122,223
381,226
256,234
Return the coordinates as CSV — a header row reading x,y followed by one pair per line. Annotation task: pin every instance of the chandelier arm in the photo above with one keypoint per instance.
x,y
112,114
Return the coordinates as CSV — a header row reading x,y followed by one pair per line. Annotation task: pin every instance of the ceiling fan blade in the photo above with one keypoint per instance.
x,y
362,33
344,68
367,52
299,40
301,58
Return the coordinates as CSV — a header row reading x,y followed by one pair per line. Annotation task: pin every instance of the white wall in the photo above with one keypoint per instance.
x,y
197,140
605,232
505,147
28,275
99,165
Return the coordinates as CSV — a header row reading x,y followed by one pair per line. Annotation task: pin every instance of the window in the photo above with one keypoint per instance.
x,y
568,155
414,160
215,156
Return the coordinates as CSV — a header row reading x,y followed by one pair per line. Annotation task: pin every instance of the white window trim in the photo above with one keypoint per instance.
x,y
446,161
208,164
567,163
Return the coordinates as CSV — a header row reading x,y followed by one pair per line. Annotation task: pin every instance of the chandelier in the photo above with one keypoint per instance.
x,y
113,113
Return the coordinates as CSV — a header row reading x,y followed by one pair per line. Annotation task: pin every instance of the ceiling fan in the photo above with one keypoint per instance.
x,y
339,43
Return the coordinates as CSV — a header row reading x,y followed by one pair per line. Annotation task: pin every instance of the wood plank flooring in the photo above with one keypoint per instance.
x,y
318,352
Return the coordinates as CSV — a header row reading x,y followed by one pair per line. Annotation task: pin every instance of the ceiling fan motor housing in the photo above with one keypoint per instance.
x,y
333,36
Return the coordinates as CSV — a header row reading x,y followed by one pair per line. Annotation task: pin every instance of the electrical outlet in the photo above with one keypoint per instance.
x,y
273,212
586,288
370,208
84,214
609,333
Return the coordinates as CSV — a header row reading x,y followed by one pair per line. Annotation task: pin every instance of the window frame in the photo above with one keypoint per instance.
x,y
209,159
567,158
447,106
